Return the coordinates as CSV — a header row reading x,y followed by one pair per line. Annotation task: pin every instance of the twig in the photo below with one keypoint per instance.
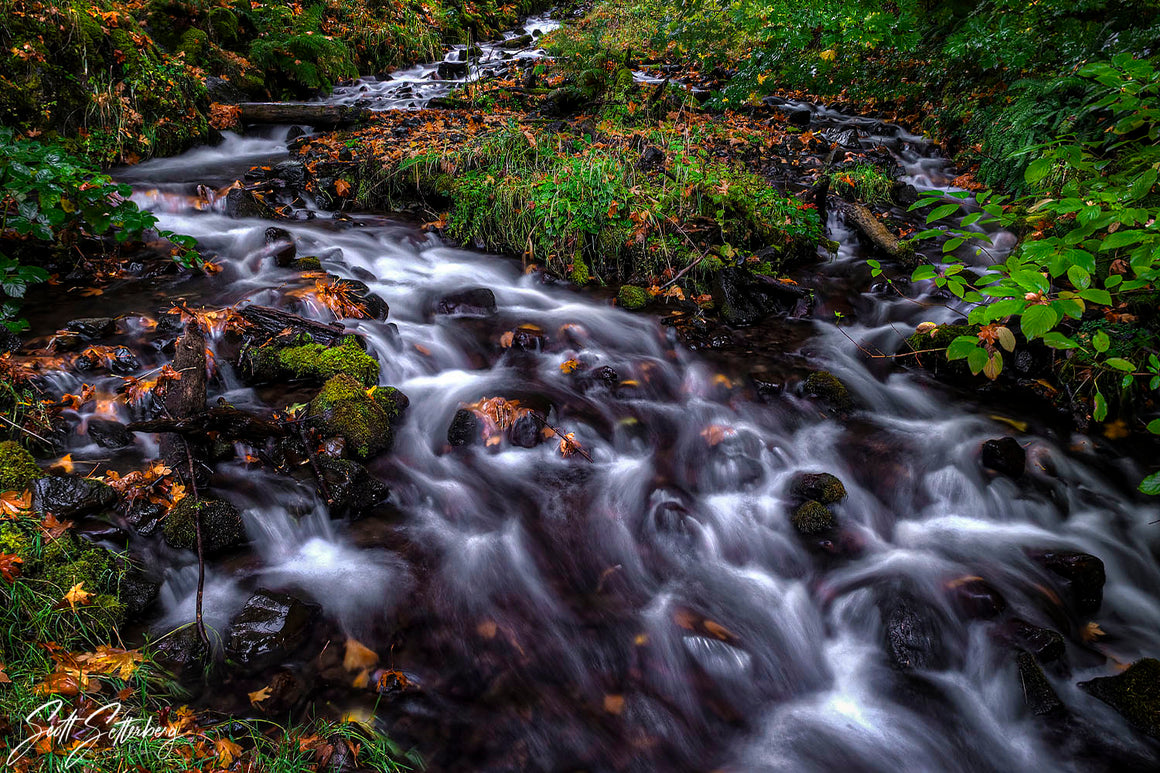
x,y
25,430
563,437
200,548
318,476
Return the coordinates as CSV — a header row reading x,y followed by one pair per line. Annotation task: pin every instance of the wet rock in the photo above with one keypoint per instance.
x,y
1005,456
525,432
361,294
291,172
137,592
1038,694
464,428
268,629
978,599
124,361
477,302
1046,645
281,246
521,41
182,653
352,489
604,376
309,362
221,90
92,328
743,298
71,496
799,117
904,194
1135,694
364,422
631,297
221,525
244,204
109,434
452,70
9,341
1084,574
912,635
811,518
819,486
306,263
827,387
145,517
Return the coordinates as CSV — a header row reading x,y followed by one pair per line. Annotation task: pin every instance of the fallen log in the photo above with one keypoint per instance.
x,y
317,115
227,421
267,323
876,232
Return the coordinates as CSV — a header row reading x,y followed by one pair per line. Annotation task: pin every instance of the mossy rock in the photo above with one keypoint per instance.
x,y
307,263
314,362
811,518
221,525
70,561
632,297
1135,693
344,409
820,487
17,467
827,387
194,44
225,26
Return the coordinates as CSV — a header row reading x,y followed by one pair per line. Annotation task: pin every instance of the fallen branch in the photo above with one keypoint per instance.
x,y
877,233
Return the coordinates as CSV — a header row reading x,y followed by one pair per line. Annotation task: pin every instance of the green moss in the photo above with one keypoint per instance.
x,y
194,43
826,386
314,362
820,486
308,263
224,24
813,518
17,467
221,525
70,561
942,337
364,421
14,541
632,297
579,274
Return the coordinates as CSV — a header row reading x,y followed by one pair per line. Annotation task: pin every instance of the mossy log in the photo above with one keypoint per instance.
x,y
876,232
310,114
267,323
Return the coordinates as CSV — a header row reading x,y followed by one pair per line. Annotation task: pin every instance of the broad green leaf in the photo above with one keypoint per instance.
x,y
1100,341
1101,407
1119,363
961,347
940,212
977,360
1151,484
1037,320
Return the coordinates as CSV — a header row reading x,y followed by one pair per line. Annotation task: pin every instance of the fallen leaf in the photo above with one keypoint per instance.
x,y
111,661
8,566
569,366
341,187
1092,631
358,657
487,629
258,696
77,595
614,704
54,529
227,751
14,502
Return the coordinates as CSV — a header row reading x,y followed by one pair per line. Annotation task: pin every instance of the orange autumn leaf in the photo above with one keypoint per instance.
x,y
14,503
8,566
569,366
341,187
111,661
3,676
227,751
358,656
52,528
715,433
77,595
257,696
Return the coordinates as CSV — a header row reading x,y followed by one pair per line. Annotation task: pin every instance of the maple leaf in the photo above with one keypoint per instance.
x,y
77,595
8,566
341,187
54,529
1091,632
715,433
111,660
569,444
569,366
227,751
14,503
257,696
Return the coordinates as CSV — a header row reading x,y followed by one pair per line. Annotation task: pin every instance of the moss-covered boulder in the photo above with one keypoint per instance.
x,y
812,517
363,418
1135,694
819,486
309,361
221,525
17,467
631,297
828,388
69,561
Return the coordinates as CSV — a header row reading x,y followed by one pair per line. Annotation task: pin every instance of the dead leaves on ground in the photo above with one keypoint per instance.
x,y
76,672
10,566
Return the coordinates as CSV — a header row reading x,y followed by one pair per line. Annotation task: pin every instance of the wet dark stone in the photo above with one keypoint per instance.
x,y
146,517
603,376
978,599
1084,574
1046,645
71,496
525,432
221,525
93,328
520,41
904,194
293,173
912,635
269,628
109,434
464,429
182,653
294,133
124,361
1135,693
829,388
137,592
800,117
478,301
9,341
352,489
244,204
819,486
812,518
1005,456
1038,694
221,90
375,306
451,70
274,235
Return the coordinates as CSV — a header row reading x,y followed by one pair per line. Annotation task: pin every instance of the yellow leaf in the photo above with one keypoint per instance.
x,y
258,696
77,595
1092,631
358,657
568,366
828,55
227,751
111,660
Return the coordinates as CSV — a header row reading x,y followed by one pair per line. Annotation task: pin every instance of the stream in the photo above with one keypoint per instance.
x,y
653,608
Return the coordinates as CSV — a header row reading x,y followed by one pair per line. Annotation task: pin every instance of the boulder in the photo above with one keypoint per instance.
x,y
829,388
92,328
1005,456
108,433
365,422
244,204
1038,694
464,428
476,302
221,525
268,629
743,298
913,639
812,518
1083,573
1135,693
352,489
71,496
310,362
978,599
818,486
1046,645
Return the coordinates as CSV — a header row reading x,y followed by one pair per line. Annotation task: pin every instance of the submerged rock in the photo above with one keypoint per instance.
x,y
477,302
1084,574
352,489
244,204
1005,456
978,599
813,518
819,486
70,496
221,525
109,434
1135,694
827,387
1038,693
364,421
269,628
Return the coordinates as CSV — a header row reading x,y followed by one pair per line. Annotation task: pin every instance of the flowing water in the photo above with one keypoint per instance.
x,y
653,608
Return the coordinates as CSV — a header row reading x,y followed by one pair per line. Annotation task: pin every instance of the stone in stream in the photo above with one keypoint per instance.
x,y
464,428
109,434
268,629
913,638
281,246
1046,645
1083,573
799,117
1038,694
183,654
812,518
374,306
525,432
365,422
1135,694
743,298
221,525
92,328
819,486
451,70
244,204
978,599
476,302
71,496
827,387
1005,456
308,361
352,489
